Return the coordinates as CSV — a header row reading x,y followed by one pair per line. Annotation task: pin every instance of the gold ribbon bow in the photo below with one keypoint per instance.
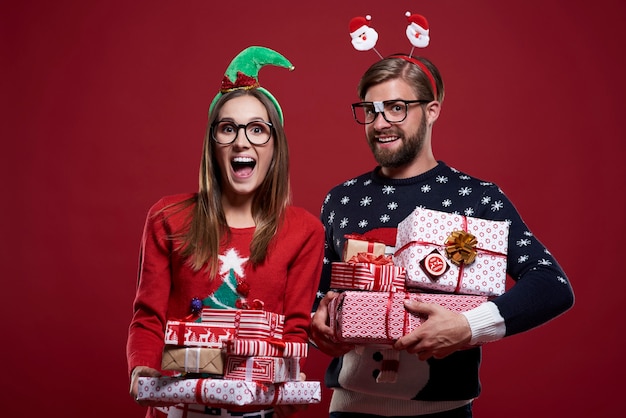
x,y
461,247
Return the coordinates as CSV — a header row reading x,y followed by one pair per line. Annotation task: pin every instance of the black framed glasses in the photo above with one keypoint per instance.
x,y
258,132
394,111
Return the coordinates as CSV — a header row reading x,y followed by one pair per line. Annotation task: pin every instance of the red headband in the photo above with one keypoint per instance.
x,y
422,66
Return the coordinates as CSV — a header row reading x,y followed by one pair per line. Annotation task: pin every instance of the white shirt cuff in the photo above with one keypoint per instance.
x,y
486,323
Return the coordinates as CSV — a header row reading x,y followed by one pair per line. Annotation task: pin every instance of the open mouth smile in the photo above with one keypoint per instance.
x,y
243,166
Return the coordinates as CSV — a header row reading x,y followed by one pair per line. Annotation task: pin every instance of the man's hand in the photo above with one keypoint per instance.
x,y
322,334
442,333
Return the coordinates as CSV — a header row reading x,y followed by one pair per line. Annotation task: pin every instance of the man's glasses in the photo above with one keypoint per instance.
x,y
394,111
257,132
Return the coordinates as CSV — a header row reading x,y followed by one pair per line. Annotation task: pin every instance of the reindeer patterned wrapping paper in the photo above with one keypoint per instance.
x,y
195,334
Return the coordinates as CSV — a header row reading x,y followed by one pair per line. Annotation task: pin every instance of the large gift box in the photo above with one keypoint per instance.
x,y
380,317
367,272
245,323
195,334
267,347
227,392
262,369
452,253
193,359
356,244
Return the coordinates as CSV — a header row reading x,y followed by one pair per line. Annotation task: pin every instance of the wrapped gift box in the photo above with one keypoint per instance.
x,y
262,369
377,274
245,323
193,359
227,392
356,244
267,347
195,334
427,242
380,317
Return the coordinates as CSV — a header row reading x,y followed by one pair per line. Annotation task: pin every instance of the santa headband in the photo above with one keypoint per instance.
x,y
243,73
364,38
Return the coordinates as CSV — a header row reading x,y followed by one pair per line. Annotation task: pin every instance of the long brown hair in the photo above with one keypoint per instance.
x,y
207,226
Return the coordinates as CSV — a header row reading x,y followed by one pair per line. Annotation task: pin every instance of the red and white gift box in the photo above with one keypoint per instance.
x,y
425,231
227,392
195,334
380,317
245,323
267,347
262,369
367,272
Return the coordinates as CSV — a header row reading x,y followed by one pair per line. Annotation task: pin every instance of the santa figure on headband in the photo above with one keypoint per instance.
x,y
417,30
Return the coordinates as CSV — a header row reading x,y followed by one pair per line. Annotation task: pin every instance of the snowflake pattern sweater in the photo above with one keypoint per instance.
x,y
285,282
373,205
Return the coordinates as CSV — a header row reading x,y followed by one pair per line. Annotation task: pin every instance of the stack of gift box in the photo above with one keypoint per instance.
x,y
456,261
231,357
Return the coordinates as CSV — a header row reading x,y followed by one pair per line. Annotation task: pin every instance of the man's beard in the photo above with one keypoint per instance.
x,y
409,149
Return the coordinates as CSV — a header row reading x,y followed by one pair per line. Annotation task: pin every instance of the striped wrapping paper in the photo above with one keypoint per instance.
x,y
367,276
227,392
262,369
269,347
250,323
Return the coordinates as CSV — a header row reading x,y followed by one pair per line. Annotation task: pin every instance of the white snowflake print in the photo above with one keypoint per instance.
x,y
485,183
465,191
468,212
326,260
367,182
561,279
544,262
388,189
528,233
363,223
345,200
523,243
441,179
331,217
446,203
366,201
337,242
392,206
425,188
319,294
454,170
497,205
343,223
385,218
545,250
327,198
464,177
350,182
522,258
485,200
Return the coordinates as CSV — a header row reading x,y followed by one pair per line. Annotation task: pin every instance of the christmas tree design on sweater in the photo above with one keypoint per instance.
x,y
233,291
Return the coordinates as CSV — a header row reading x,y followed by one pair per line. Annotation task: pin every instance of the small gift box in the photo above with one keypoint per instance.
x,y
262,369
267,347
356,243
452,253
219,392
193,359
195,334
367,272
245,323
380,317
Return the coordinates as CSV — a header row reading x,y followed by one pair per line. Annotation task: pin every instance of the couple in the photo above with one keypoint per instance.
x,y
240,221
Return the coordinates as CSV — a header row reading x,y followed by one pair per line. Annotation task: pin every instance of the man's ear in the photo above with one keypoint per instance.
x,y
432,111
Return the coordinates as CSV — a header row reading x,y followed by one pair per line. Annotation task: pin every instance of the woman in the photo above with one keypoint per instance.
x,y
240,222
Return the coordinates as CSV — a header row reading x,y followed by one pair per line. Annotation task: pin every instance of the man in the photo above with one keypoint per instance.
x,y
438,375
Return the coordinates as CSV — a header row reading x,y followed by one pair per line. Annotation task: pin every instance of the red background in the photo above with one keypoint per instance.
x,y
104,108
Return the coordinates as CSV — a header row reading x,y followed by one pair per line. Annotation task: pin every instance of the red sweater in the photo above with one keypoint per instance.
x,y
286,281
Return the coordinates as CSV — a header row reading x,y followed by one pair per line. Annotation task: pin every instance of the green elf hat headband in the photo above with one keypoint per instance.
x,y
365,37
243,73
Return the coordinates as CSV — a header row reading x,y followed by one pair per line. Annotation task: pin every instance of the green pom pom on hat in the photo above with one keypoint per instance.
x,y
243,73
